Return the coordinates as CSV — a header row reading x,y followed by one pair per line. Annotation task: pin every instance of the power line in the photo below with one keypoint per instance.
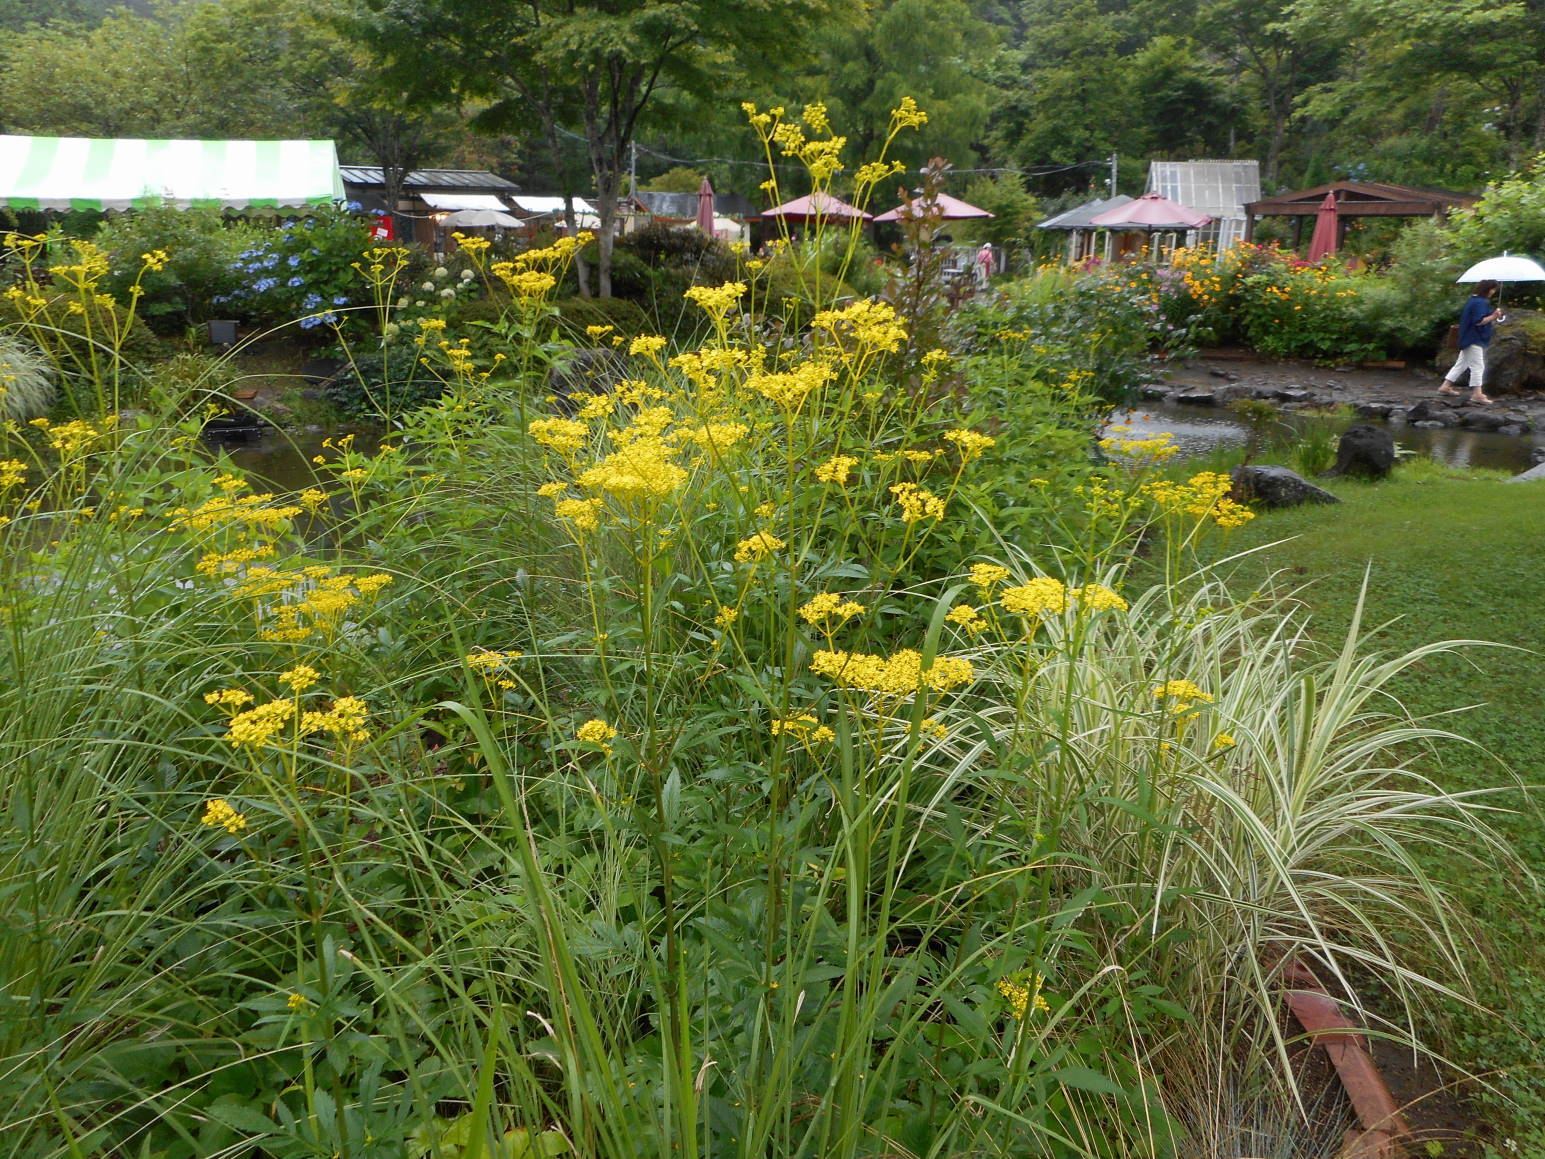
x,y
995,170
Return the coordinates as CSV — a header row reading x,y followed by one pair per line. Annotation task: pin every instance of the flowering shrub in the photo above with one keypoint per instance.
x,y
304,270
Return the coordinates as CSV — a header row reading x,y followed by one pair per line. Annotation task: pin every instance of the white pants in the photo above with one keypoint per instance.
x,y
1473,359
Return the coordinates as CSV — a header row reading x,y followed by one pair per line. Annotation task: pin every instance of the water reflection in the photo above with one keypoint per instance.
x,y
1200,430
282,459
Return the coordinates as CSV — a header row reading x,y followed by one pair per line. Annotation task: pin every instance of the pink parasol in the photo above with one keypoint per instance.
x,y
1327,231
949,209
1150,212
814,207
705,207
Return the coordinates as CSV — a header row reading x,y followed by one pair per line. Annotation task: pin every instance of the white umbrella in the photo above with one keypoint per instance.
x,y
484,218
1507,268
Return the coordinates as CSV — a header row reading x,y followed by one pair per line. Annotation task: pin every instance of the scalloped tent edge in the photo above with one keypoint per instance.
x,y
86,173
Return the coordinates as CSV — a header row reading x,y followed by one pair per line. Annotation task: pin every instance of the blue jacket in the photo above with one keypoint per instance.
x,y
1471,331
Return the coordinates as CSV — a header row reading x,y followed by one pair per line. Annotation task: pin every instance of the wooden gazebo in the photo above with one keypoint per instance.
x,y
1356,199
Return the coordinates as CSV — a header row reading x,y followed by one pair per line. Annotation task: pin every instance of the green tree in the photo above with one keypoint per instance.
x,y
119,79
1179,106
1065,102
935,51
590,64
1450,90
676,179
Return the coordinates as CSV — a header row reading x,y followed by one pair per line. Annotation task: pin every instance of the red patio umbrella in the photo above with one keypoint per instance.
x,y
950,209
705,207
1327,233
1150,212
815,207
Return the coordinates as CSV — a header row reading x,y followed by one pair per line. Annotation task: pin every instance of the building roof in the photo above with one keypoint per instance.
x,y
444,180
1078,217
86,173
1362,199
1217,188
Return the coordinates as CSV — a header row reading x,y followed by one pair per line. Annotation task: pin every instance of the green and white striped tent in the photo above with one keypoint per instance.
x,y
84,173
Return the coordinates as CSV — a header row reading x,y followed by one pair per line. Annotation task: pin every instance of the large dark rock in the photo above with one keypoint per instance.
x,y
1365,451
1375,410
1515,360
1275,487
1195,398
1430,411
1485,420
1535,474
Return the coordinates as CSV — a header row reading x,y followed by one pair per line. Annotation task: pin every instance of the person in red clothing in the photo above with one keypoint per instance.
x,y
986,264
1475,322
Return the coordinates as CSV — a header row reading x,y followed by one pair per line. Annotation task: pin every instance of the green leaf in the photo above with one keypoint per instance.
x,y
1084,1079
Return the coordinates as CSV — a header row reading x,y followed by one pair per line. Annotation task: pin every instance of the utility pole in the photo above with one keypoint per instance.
x,y
632,168
1113,174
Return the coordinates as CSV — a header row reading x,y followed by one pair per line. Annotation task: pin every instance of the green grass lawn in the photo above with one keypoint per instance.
x,y
1452,557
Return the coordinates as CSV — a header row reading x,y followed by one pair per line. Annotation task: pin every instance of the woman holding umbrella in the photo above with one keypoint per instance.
x,y
1475,322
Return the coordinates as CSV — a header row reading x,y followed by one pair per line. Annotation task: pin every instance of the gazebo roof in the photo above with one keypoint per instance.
x,y
1363,199
1078,217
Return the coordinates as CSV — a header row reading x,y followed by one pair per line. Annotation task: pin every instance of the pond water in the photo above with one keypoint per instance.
x,y
1200,430
284,459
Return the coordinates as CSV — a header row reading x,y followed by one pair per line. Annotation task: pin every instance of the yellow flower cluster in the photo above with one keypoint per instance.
x,y
971,444
1182,695
485,663
647,344
218,813
1040,596
1098,598
13,473
345,720
716,437
916,503
1023,995
836,470
1155,448
585,514
74,437
717,301
805,728
828,606
299,678
224,511
907,115
789,389
566,436
757,547
987,576
310,600
643,468
257,726
900,675
597,732
967,617
868,323
1202,495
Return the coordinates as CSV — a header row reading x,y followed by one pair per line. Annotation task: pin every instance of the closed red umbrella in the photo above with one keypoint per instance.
x,y
1327,232
705,207
1150,212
